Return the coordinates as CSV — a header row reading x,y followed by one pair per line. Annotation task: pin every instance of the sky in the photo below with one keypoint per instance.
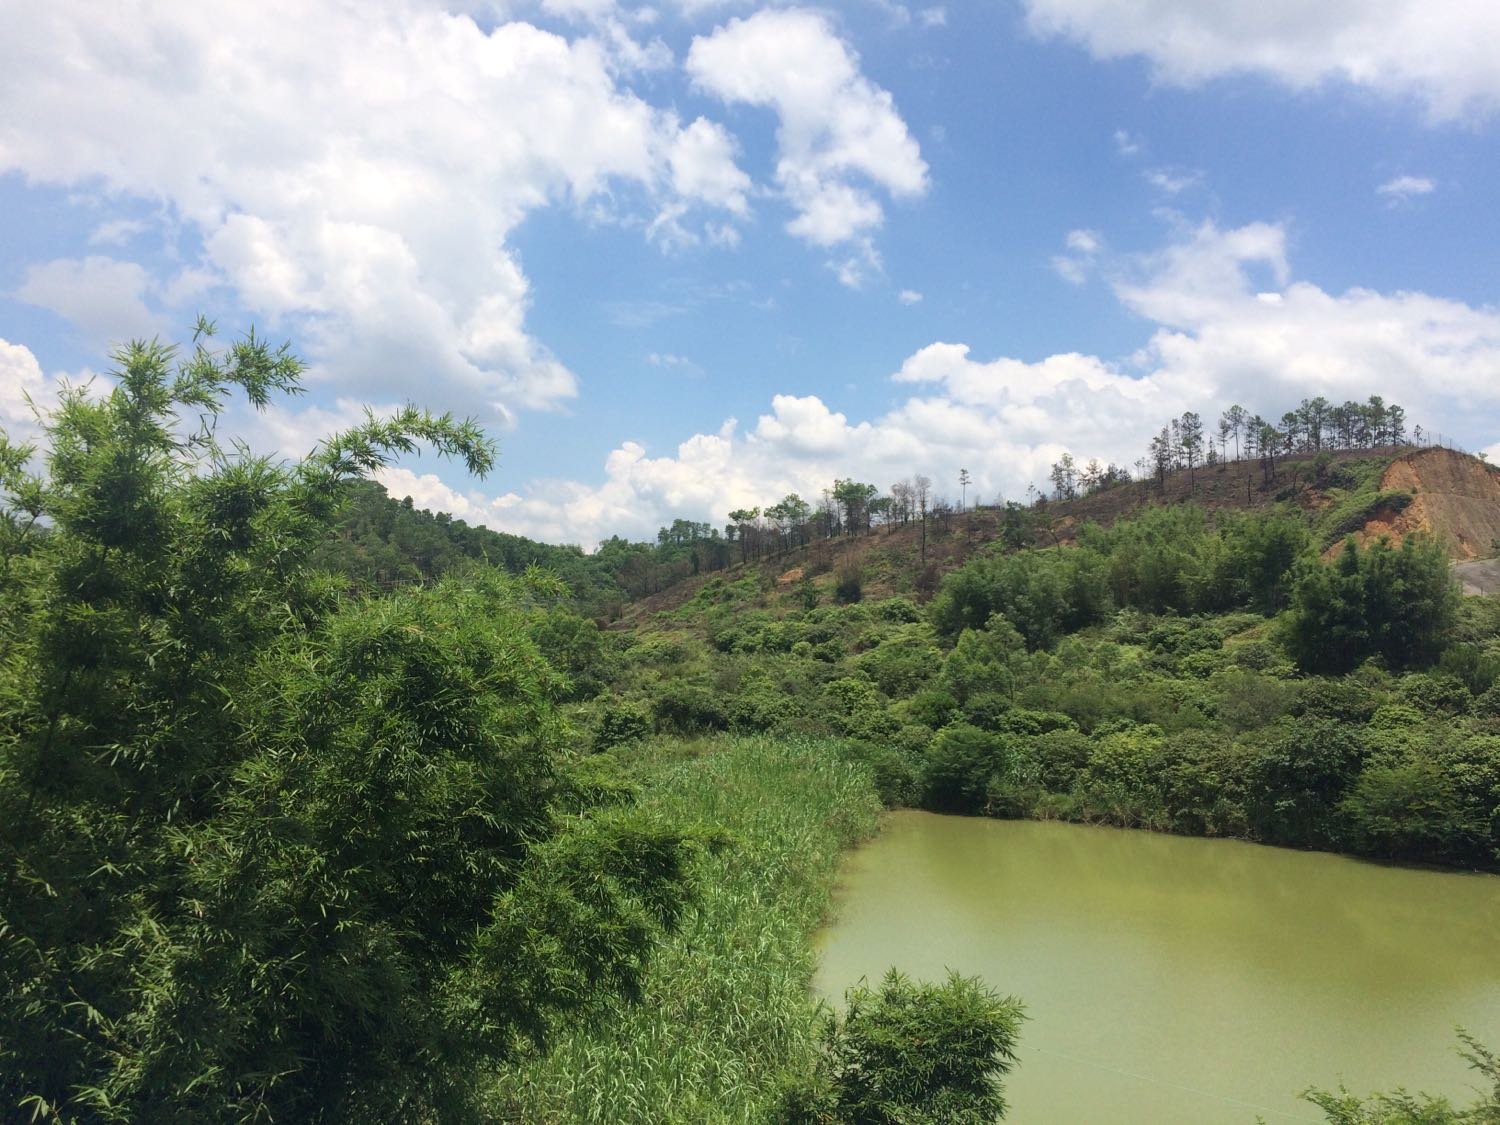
x,y
684,258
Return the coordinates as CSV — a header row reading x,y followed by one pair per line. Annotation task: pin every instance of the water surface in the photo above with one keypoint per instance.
x,y
1180,980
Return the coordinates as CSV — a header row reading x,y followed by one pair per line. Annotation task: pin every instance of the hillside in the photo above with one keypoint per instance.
x,y
1393,491
1455,497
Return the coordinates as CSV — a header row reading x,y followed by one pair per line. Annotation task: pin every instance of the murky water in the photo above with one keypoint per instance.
x,y
1179,980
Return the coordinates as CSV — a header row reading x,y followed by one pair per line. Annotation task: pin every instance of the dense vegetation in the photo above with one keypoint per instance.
x,y
270,854
316,806
725,1022
1171,672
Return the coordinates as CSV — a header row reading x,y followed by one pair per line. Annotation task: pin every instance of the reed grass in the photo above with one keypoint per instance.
x,y
727,1011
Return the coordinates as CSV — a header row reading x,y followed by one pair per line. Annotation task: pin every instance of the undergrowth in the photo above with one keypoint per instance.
x,y
726,1014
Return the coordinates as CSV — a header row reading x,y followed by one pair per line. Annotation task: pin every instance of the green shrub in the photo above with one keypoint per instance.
x,y
622,721
912,1054
987,710
899,611
936,709
1435,693
963,765
683,708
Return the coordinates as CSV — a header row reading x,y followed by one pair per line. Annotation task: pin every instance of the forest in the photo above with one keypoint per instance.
x,y
319,807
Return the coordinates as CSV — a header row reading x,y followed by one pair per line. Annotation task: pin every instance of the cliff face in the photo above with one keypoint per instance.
x,y
1456,499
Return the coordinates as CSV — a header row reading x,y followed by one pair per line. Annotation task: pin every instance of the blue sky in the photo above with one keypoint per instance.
x,y
686,258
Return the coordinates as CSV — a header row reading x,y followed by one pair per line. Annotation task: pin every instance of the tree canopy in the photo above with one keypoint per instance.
x,y
269,854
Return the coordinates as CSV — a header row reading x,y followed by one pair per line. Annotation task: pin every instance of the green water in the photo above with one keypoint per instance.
x,y
1177,980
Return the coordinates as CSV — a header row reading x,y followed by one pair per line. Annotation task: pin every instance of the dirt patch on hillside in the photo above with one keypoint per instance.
x,y
1455,498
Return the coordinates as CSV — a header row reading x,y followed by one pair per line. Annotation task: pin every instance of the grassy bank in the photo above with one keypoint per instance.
x,y
726,1011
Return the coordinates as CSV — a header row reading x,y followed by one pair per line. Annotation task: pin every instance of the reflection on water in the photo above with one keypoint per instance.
x,y
1179,980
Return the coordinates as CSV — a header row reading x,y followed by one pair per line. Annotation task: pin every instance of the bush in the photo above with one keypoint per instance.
x,y
1380,601
912,1054
936,709
964,765
899,611
1435,693
682,708
622,721
850,586
1298,779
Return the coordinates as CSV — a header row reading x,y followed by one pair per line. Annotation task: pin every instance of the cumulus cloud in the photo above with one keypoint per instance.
x,y
1228,323
105,298
838,135
1439,52
909,297
355,168
25,390
21,384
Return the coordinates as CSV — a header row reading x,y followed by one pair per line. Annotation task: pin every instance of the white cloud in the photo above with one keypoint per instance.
x,y
1126,144
104,297
1083,241
1403,188
1192,281
671,362
1230,324
356,167
838,133
1171,181
702,162
21,384
934,17
909,297
116,232
1076,266
1440,52
25,390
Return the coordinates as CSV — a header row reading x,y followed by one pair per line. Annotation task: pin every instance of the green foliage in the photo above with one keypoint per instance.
x,y
271,857
1192,719
689,709
1166,559
1403,1108
726,1015
622,721
1353,512
1299,776
900,611
912,1054
967,767
1398,604
983,660
902,663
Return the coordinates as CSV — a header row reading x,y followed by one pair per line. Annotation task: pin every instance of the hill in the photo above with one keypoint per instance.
x,y
1393,490
1455,498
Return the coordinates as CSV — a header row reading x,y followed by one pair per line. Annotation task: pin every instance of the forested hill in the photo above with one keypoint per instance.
x,y
383,543
1449,495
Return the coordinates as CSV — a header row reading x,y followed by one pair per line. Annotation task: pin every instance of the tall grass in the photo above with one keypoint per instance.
x,y
726,1011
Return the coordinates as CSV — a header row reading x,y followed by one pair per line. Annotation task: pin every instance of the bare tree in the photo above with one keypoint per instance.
x,y
922,490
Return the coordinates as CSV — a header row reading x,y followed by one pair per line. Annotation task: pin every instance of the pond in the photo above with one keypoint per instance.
x,y
1179,980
